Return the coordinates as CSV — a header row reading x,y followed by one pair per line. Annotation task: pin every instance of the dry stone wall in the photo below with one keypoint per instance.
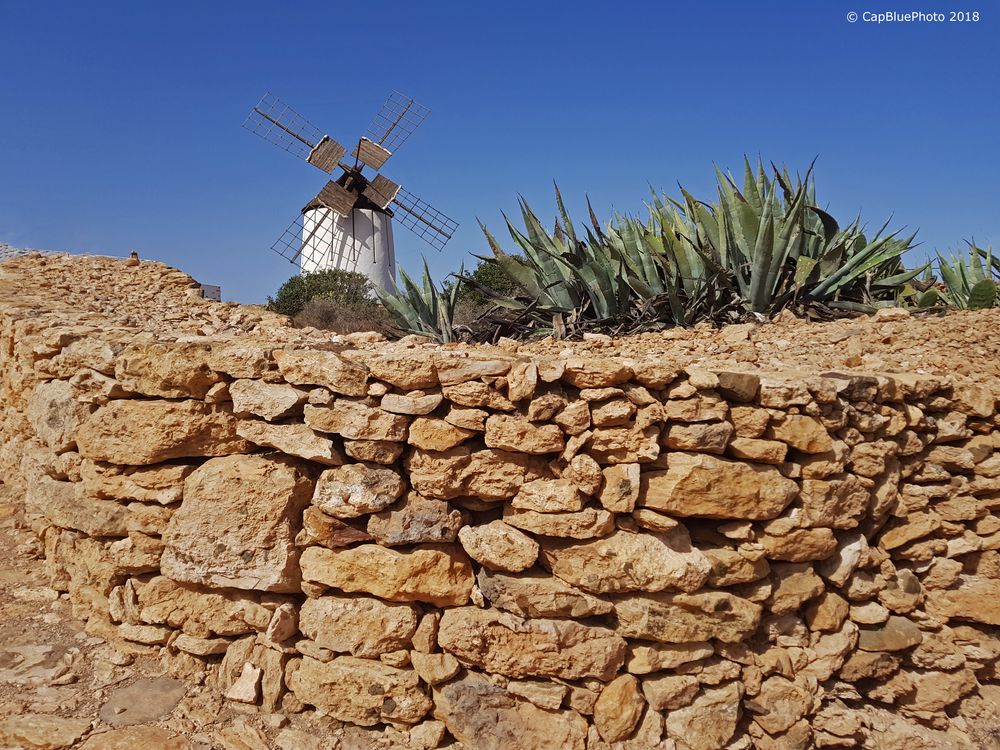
x,y
510,550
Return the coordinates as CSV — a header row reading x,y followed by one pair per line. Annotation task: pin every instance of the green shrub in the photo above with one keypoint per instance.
x,y
341,287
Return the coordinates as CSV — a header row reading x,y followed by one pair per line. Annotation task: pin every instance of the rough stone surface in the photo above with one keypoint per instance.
x,y
237,525
360,691
358,625
506,644
630,562
436,574
702,485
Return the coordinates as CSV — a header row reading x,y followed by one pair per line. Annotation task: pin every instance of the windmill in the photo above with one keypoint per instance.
x,y
348,225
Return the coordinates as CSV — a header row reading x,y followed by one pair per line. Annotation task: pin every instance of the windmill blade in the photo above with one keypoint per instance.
x,y
395,122
381,191
279,124
337,198
425,221
313,243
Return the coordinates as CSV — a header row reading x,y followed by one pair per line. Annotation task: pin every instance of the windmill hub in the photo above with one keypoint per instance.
x,y
348,225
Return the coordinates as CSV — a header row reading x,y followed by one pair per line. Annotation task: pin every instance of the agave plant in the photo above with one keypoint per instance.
x,y
425,309
777,246
626,277
969,283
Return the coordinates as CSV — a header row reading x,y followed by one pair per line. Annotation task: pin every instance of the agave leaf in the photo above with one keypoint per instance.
x,y
983,295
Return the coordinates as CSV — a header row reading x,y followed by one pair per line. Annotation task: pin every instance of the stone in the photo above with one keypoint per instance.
x,y
503,643
780,704
839,567
145,700
269,401
749,421
292,439
624,445
461,471
862,665
534,595
270,661
190,644
800,545
738,386
162,601
837,503
584,524
453,370
359,691
573,418
934,690
415,520
319,528
805,434
668,692
432,434
596,372
656,657
522,379
355,490
55,414
709,722
698,409
415,403
136,738
710,437
620,491
828,612
151,635
684,618
731,567
166,369
246,688
328,369
625,562
359,625
794,585
584,473
761,451
162,484
407,372
469,419
477,395
284,623
374,451
237,524
548,496
436,574
912,527
434,668
65,505
542,693
976,599
356,420
42,731
140,432
612,413
498,546
519,435
897,634
486,717
619,708
710,487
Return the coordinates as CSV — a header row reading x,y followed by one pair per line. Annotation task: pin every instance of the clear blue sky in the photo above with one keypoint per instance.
x,y
120,122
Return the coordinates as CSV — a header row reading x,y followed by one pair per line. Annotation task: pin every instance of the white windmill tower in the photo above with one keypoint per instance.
x,y
348,225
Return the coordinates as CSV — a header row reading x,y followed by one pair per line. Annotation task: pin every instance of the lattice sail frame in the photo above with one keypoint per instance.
x,y
294,241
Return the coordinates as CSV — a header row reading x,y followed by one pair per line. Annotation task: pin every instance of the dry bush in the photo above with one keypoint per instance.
x,y
343,318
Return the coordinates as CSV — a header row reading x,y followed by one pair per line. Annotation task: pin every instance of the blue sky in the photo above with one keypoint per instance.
x,y
120,122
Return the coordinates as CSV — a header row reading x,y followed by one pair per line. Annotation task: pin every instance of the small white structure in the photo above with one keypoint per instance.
x,y
360,241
